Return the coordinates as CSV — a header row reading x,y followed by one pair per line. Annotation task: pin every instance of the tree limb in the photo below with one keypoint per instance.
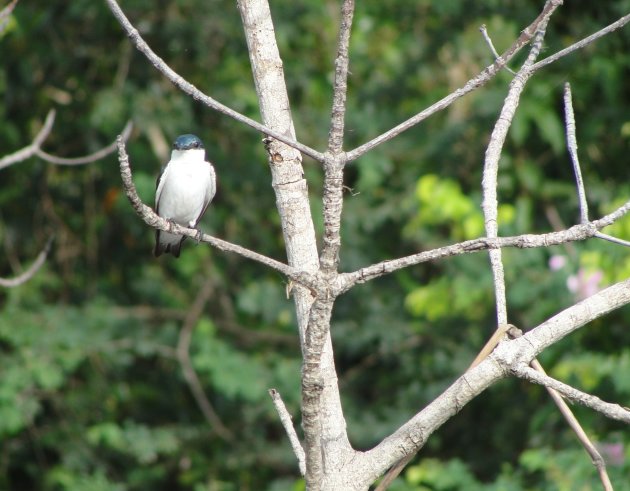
x,y
525,241
491,169
325,438
287,423
474,83
612,411
195,93
34,149
618,24
412,436
340,88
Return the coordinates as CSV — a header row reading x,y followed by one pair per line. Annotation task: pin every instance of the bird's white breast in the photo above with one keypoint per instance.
x,y
186,186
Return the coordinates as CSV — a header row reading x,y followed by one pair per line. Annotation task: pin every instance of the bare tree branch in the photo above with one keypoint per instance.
x,y
323,423
30,150
287,423
190,375
525,241
474,83
612,239
612,411
488,39
412,436
326,447
335,159
491,169
618,24
30,272
34,149
195,93
86,159
340,89
572,147
576,427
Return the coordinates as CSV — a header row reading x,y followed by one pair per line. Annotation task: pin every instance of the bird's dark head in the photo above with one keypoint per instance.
x,y
187,142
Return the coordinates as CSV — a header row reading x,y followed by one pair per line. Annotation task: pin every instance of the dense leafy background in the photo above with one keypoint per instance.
x,y
91,395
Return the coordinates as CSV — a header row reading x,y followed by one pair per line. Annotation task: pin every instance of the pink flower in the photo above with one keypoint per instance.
x,y
584,284
557,262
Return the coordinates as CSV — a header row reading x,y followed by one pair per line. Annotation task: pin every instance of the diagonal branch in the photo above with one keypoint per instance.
x,y
474,83
285,419
30,272
195,93
154,220
596,458
618,24
526,241
412,436
484,32
612,411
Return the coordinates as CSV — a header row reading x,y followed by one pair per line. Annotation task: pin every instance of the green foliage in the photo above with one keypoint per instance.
x,y
91,393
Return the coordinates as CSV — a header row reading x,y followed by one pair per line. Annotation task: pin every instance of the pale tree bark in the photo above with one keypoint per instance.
x,y
319,381
325,455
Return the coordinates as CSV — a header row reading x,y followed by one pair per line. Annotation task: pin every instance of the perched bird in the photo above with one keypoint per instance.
x,y
185,187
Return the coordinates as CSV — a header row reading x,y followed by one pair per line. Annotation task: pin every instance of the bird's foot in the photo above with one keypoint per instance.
x,y
198,235
171,222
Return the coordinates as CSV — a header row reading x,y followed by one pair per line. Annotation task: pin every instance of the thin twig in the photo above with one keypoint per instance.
x,y
86,159
484,32
618,24
35,150
575,425
474,83
154,220
612,239
525,241
572,146
29,150
197,94
30,272
287,423
190,375
492,343
579,182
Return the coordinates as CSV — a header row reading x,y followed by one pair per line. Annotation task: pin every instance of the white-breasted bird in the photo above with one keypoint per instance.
x,y
185,187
